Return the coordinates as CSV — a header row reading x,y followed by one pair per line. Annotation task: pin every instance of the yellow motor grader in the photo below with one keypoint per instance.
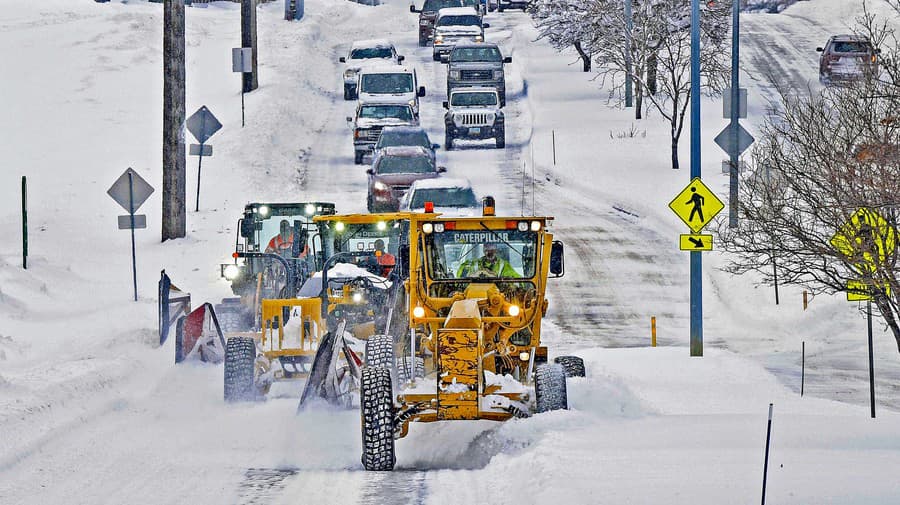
x,y
303,337
472,350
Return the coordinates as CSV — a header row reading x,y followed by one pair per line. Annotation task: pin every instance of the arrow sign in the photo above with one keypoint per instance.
x,y
744,138
203,125
696,242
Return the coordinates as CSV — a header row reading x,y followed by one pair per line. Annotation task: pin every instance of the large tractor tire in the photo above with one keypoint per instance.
x,y
377,411
550,387
233,317
380,351
405,371
240,361
573,365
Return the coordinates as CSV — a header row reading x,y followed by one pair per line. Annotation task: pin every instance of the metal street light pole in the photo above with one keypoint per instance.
x,y
629,26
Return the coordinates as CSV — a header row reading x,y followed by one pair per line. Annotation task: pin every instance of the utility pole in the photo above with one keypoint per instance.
x,y
734,155
174,174
248,39
629,27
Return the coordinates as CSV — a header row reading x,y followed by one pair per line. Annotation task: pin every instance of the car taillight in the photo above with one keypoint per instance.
x,y
356,134
874,58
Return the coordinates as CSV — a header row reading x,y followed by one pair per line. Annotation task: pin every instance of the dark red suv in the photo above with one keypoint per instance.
x,y
427,15
845,58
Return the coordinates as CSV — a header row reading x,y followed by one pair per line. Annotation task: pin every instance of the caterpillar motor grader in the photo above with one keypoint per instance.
x,y
303,336
476,297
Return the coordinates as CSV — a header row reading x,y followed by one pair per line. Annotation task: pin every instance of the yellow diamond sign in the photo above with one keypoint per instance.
x,y
865,240
696,205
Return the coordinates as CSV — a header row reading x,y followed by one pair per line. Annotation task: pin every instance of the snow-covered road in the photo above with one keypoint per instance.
x,y
92,412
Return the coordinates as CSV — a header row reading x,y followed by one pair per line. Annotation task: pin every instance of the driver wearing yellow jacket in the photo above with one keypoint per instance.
x,y
490,262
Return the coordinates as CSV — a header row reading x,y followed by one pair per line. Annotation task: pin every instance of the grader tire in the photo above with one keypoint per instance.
x,y
240,359
550,387
233,317
404,369
573,365
380,351
377,412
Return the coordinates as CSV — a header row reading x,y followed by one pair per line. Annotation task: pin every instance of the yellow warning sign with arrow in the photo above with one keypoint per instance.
x,y
696,242
696,205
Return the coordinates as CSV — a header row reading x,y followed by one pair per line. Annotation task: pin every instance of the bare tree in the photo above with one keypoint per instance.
x,y
566,23
668,48
824,198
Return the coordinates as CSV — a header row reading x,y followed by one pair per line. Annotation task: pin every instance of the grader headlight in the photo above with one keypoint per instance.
x,y
419,311
231,272
535,226
524,355
357,297
513,310
427,228
339,227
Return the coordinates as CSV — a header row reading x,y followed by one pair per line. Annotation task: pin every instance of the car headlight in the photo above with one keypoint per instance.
x,y
479,38
423,22
454,74
438,39
380,186
231,272
349,73
498,74
412,103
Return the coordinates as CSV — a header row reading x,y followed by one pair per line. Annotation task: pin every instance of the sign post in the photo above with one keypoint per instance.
x,y
242,62
131,191
696,205
202,125
866,240
24,224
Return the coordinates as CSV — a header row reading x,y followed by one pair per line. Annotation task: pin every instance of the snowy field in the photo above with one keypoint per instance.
x,y
92,412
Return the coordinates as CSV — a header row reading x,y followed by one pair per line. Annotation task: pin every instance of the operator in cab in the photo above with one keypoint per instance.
x,y
489,265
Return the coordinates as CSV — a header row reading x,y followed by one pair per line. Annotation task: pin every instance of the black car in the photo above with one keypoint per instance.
x,y
393,136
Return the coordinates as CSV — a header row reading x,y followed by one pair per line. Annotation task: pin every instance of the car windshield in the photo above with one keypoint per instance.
x,y
459,21
387,83
443,197
473,98
481,253
365,53
401,112
406,138
476,54
435,5
848,46
404,165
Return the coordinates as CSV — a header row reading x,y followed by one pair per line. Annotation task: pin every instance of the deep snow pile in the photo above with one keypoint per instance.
x,y
93,412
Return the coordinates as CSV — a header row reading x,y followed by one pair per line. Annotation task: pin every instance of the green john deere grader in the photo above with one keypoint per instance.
x,y
472,348
319,332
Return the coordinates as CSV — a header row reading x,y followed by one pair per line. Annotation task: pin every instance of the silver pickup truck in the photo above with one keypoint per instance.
x,y
476,64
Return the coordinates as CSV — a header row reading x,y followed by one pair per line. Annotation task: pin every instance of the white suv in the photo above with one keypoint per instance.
x,y
390,84
456,24
474,113
363,53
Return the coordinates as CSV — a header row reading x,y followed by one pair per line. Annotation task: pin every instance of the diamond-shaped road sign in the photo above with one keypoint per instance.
x,y
696,205
744,138
866,239
119,190
202,124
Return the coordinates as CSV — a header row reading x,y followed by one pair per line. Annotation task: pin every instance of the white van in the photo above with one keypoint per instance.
x,y
390,84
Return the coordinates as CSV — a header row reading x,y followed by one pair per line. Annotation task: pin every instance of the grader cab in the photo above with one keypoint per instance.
x,y
476,298
319,334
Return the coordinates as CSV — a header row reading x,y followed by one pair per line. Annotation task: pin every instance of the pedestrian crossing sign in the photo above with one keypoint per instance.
x,y
696,205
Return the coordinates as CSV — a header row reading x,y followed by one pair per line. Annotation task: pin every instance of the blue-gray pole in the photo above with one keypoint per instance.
x,y
629,26
735,112
131,214
696,259
24,223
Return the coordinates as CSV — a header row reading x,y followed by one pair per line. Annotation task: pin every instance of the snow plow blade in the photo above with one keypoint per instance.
x,y
198,336
325,376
